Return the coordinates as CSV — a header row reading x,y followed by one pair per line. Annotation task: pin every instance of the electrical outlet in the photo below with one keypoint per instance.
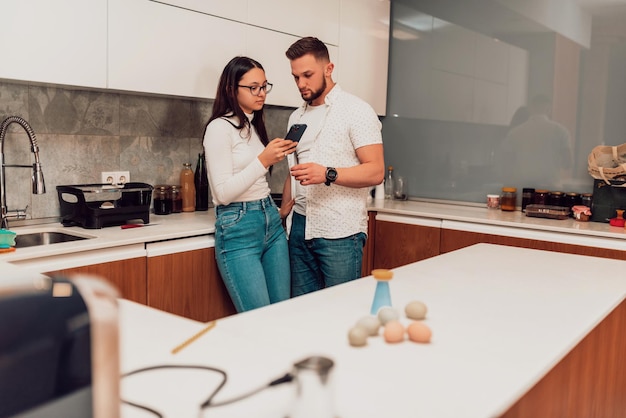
x,y
115,177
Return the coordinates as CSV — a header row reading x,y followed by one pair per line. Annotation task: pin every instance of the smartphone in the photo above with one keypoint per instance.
x,y
296,131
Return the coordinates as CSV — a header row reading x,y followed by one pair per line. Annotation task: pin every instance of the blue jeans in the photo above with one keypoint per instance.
x,y
252,254
319,262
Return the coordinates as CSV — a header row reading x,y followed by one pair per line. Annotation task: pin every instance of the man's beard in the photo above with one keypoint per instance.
x,y
317,93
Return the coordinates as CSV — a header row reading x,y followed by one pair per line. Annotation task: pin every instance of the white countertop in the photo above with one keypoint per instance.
x,y
495,217
164,227
501,318
451,216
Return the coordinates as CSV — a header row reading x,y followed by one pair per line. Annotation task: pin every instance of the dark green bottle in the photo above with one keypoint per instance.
x,y
202,184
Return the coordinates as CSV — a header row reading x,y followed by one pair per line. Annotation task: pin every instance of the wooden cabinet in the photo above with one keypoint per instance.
x,y
61,41
402,240
399,240
456,235
182,278
454,239
128,276
179,276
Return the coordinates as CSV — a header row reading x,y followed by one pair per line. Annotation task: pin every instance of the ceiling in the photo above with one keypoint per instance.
x,y
604,8
494,18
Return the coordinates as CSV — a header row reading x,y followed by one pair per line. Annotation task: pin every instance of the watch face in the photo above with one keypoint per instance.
x,y
331,175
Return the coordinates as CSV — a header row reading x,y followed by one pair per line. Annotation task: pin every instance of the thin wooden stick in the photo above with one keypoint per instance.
x,y
194,337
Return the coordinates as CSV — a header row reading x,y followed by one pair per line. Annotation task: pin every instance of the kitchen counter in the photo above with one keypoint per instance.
x,y
496,217
497,332
471,218
160,228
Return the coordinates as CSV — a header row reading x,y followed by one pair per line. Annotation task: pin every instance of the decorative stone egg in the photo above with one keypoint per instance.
x,y
419,332
357,336
415,310
386,314
370,323
394,332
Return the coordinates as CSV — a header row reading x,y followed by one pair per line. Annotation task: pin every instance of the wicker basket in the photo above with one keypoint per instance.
x,y
608,162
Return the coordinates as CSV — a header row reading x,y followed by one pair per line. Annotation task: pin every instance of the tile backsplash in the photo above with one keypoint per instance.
x,y
81,133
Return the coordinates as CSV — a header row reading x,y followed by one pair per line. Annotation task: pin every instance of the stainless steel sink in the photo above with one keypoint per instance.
x,y
47,237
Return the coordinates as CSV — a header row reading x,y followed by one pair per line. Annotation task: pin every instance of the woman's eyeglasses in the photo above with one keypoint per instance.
x,y
256,90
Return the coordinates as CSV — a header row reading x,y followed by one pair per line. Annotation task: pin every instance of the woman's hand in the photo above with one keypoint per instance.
x,y
276,151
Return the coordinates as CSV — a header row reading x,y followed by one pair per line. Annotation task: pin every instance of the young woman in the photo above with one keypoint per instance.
x,y
250,242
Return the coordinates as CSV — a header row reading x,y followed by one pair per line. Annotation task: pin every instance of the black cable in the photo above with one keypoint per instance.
x,y
284,379
288,377
171,366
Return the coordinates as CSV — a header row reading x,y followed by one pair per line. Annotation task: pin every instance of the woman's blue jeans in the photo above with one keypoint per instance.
x,y
319,262
252,253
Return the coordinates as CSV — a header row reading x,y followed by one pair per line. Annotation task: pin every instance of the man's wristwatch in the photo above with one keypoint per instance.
x,y
331,175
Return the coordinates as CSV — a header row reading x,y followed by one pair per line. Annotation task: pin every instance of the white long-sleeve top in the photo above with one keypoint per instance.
x,y
234,170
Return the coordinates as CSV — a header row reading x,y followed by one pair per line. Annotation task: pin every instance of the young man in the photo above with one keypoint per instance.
x,y
338,158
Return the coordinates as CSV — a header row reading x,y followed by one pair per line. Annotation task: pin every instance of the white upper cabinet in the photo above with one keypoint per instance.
x,y
364,50
179,47
61,41
158,48
276,65
319,18
231,9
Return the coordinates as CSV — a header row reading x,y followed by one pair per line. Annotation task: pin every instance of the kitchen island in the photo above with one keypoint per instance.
x,y
516,333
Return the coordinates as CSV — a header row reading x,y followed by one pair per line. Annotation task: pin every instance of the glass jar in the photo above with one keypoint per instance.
x,y
508,200
188,188
528,194
493,201
177,200
162,200
400,188
572,199
586,199
541,197
556,199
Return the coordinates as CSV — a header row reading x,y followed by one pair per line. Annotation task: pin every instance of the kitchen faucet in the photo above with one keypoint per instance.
x,y
39,186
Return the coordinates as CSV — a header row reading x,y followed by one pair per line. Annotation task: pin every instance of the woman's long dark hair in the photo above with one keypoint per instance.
x,y
226,104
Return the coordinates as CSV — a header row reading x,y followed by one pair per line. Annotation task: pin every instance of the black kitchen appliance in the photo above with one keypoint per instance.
x,y
95,206
607,198
59,347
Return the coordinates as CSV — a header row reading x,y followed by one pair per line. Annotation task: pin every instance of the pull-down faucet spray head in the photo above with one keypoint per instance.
x,y
38,184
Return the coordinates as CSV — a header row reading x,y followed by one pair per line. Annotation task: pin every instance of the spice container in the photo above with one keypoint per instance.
x,y
571,199
528,194
162,200
556,199
541,197
177,200
508,199
493,201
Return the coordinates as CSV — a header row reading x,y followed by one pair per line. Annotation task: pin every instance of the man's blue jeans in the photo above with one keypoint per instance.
x,y
252,254
319,262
